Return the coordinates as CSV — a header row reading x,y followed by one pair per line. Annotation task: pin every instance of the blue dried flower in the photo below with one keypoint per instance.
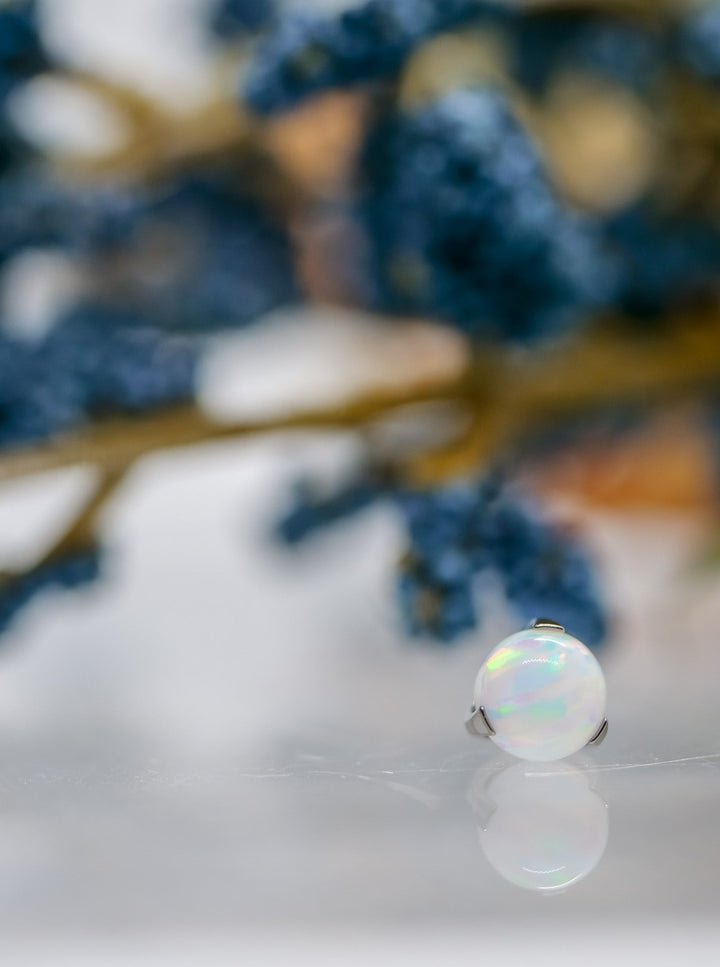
x,y
14,152
218,258
465,226
21,50
71,571
38,211
118,370
444,612
313,509
546,572
697,42
308,52
199,255
233,18
88,367
663,261
546,43
461,531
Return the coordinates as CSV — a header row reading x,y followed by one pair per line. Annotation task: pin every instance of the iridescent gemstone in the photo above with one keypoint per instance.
x,y
543,693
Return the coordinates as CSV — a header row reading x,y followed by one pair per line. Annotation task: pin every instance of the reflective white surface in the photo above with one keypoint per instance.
x,y
226,739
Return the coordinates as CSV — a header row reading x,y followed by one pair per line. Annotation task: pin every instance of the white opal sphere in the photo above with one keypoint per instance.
x,y
543,693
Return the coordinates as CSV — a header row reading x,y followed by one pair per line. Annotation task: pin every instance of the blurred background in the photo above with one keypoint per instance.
x,y
337,341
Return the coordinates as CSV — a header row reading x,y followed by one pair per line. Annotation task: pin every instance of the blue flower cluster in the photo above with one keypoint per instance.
x,y
21,50
461,531
85,367
665,261
308,51
231,19
312,509
216,257
698,42
70,571
461,224
455,534
36,211
197,255
465,226
547,42
13,151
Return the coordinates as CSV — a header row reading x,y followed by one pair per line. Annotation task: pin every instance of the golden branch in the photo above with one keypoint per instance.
x,y
81,533
508,394
117,443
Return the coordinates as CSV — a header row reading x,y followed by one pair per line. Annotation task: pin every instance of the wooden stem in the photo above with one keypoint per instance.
x,y
509,394
115,444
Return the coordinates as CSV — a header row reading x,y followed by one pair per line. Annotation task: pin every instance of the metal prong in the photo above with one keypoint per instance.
x,y
477,723
545,623
600,734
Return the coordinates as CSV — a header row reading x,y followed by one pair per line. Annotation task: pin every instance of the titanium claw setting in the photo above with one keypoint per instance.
x,y
540,695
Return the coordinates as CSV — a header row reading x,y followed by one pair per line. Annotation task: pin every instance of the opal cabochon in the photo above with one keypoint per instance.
x,y
543,692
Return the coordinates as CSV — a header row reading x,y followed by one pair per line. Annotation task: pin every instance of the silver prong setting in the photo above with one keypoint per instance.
x,y
599,736
477,723
545,623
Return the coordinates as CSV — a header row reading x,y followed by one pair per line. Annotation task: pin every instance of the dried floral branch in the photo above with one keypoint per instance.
x,y
117,443
72,560
486,434
530,391
81,533
508,395
140,111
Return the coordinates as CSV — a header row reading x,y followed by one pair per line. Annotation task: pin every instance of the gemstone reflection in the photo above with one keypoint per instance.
x,y
542,827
